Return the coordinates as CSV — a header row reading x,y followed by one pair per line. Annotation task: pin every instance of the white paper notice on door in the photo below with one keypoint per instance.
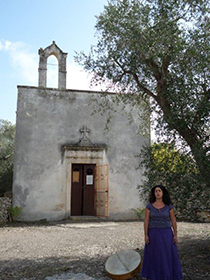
x,y
89,180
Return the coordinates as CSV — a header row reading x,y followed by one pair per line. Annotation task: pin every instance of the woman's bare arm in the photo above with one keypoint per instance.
x,y
146,225
174,224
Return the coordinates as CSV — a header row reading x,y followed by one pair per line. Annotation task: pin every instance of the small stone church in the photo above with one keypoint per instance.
x,y
66,165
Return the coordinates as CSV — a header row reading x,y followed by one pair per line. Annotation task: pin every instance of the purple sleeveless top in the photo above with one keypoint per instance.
x,y
159,218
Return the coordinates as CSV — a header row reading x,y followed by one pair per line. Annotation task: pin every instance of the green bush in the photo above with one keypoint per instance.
x,y
7,139
14,212
139,212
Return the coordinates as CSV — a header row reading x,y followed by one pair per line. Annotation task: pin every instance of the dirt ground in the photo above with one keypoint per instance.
x,y
38,251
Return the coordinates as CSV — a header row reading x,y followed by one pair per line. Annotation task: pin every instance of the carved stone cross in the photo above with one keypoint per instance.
x,y
84,130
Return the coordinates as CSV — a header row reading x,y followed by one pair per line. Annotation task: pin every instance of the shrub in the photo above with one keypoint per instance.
x,y
14,212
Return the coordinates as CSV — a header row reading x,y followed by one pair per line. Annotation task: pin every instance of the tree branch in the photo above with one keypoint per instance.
x,y
146,90
202,109
165,64
154,67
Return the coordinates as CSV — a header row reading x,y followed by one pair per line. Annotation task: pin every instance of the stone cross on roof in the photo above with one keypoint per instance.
x,y
84,130
85,141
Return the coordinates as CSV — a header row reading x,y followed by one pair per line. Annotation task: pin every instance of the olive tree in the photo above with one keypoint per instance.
x,y
158,50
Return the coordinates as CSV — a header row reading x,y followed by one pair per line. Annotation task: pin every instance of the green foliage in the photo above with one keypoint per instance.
x,y
14,212
159,49
139,212
163,164
7,138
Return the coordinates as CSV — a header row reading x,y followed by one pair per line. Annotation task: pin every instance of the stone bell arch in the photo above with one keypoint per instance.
x,y
53,49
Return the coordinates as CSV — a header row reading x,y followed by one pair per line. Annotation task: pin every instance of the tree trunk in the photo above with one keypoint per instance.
x,y
198,151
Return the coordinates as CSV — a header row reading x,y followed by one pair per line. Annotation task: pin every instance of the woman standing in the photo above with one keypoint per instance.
x,y
161,260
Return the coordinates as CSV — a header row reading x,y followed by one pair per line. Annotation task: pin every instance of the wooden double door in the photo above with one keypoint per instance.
x,y
82,190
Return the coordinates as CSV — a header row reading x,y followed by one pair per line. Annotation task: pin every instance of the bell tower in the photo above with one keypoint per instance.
x,y
53,49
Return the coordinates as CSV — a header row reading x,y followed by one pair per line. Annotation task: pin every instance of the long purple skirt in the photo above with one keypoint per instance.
x,y
161,259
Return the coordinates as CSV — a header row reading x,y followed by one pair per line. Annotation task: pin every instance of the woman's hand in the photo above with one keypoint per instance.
x,y
147,239
175,239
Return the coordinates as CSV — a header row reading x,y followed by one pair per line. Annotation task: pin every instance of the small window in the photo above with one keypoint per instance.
x,y
89,176
76,175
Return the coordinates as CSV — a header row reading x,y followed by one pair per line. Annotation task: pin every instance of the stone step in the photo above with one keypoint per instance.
x,y
84,218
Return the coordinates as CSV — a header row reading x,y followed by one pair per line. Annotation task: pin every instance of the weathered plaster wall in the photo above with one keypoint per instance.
x,y
50,118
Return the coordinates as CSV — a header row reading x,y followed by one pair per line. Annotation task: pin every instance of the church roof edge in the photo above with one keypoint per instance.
x,y
70,90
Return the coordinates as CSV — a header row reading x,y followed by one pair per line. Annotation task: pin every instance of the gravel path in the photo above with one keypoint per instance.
x,y
79,250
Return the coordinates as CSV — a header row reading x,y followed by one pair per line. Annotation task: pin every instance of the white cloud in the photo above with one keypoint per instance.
x,y
77,78
7,45
24,62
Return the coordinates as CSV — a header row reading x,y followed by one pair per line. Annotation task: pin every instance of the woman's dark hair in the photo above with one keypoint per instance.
x,y
166,195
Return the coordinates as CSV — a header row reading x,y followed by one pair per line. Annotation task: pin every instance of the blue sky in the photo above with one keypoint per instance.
x,y
26,26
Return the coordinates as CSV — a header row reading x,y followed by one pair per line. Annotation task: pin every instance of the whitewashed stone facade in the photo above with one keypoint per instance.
x,y
57,132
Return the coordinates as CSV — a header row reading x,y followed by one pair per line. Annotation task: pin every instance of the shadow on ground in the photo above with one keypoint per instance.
x,y
194,256
41,268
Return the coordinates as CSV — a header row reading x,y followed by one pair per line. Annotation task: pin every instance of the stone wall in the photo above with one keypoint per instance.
x,y
5,202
